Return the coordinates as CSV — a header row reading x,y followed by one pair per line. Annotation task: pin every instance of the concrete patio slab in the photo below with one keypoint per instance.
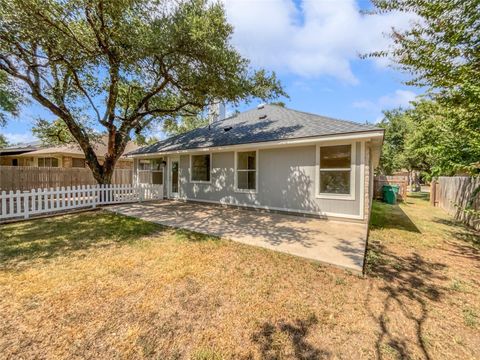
x,y
334,242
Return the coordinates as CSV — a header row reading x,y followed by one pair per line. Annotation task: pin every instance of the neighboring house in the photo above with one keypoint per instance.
x,y
11,155
269,158
68,156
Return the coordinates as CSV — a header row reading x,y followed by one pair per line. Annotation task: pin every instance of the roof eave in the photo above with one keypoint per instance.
x,y
361,135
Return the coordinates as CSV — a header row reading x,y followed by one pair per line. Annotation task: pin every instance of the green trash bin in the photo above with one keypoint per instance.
x,y
390,194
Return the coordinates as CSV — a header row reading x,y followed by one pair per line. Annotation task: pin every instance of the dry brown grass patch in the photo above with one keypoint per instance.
x,y
100,285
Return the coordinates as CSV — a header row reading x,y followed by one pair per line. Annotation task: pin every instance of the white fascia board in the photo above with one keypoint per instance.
x,y
366,136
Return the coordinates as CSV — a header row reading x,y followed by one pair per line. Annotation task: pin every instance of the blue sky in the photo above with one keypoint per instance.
x,y
314,47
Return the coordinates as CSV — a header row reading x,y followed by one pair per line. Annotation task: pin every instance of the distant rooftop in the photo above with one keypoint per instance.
x,y
21,148
100,148
262,124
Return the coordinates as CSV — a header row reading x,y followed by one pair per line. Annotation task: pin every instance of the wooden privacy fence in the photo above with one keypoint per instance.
x,y
41,201
28,177
453,193
401,181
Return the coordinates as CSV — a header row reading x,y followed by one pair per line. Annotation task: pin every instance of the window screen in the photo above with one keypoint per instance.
x,y
200,168
335,169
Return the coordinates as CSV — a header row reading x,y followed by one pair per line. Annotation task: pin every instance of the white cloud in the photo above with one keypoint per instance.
x,y
317,38
400,98
16,138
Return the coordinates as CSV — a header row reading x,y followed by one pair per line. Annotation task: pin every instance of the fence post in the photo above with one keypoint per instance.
x,y
433,192
4,203
140,194
11,203
94,195
26,209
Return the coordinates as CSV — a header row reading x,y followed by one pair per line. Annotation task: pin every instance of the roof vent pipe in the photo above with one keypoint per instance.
x,y
216,111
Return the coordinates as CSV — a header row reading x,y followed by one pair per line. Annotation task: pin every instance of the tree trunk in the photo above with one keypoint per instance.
x,y
116,146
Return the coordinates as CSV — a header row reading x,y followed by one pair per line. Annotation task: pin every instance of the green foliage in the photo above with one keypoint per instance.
x,y
10,98
440,49
278,103
175,126
3,141
444,138
143,140
393,153
124,65
431,138
52,133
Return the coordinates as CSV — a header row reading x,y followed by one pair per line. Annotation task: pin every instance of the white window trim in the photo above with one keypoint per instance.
x,y
350,196
191,172
235,187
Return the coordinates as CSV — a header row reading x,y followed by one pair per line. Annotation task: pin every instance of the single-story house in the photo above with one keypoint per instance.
x,y
69,156
11,155
270,158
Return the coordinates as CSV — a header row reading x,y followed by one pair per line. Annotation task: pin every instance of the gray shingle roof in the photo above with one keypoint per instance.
x,y
253,126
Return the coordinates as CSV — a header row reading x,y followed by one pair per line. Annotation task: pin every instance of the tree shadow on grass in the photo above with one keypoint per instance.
x,y
385,216
410,284
464,242
27,241
461,232
269,337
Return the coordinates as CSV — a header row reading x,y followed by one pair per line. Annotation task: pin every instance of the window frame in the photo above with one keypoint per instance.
x,y
235,187
59,164
79,167
150,170
191,169
162,170
353,156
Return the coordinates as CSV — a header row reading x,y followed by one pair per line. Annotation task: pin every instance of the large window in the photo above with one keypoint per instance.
x,y
151,171
157,166
335,170
200,166
47,162
246,171
143,165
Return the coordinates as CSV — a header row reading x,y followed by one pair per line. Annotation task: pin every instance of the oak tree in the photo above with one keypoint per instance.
x,y
122,64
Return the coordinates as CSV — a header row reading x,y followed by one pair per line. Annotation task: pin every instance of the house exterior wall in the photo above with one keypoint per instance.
x,y
7,160
286,181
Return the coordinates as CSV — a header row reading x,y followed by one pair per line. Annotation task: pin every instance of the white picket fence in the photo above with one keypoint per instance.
x,y
27,203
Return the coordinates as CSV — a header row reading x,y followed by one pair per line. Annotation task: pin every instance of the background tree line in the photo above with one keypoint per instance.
x,y
432,139
440,51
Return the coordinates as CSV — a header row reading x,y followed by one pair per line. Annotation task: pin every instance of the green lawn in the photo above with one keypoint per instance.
x,y
99,285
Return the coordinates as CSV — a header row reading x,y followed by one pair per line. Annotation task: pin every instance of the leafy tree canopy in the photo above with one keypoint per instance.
x,y
185,123
441,49
123,64
431,138
52,133
3,141
278,103
10,97
396,125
